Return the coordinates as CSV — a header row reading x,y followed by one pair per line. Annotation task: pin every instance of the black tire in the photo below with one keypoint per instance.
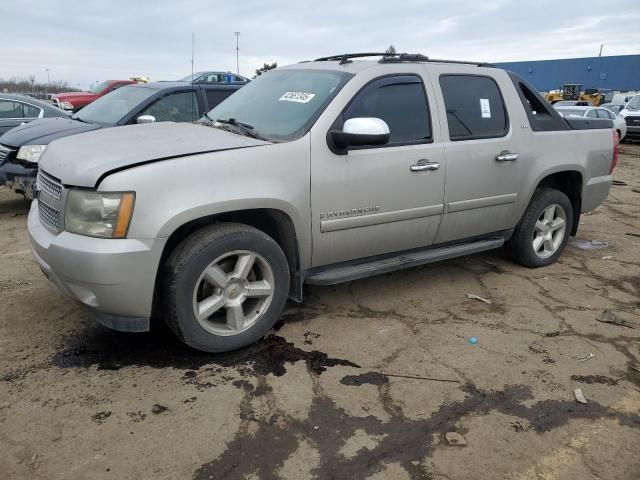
x,y
187,262
520,246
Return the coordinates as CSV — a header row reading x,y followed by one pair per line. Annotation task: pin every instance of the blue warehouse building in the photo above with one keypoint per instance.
x,y
620,72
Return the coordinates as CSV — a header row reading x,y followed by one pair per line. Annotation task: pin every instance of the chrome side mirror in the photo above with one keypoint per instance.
x,y
146,119
362,131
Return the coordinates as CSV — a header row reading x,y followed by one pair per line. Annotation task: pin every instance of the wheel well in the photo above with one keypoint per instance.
x,y
274,223
569,183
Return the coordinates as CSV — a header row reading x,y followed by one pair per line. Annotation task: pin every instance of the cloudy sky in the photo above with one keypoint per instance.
x,y
86,41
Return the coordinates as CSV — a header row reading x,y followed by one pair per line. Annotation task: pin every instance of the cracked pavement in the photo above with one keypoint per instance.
x,y
361,381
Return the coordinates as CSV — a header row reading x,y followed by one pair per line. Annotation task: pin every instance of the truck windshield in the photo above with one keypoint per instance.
x,y
634,104
282,105
111,108
99,87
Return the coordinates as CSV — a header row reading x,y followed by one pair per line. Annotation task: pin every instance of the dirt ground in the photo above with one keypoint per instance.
x,y
365,380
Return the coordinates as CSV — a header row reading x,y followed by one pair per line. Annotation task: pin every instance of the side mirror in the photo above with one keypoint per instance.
x,y
146,119
359,132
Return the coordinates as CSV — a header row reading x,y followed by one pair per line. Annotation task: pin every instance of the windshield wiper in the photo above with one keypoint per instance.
x,y
244,127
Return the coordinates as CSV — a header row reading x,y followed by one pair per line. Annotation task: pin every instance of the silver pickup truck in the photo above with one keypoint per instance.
x,y
320,172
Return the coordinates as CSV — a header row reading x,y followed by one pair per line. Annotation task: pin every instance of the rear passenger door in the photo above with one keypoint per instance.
x,y
484,166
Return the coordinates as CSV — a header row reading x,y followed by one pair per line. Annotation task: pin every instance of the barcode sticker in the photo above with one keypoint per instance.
x,y
485,108
297,97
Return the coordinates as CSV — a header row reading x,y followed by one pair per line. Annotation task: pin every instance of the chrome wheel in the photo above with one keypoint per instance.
x,y
549,231
233,292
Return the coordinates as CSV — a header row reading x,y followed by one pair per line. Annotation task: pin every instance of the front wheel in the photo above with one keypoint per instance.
x,y
544,230
224,287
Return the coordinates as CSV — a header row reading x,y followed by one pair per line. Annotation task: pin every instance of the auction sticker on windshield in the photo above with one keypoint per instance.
x,y
298,97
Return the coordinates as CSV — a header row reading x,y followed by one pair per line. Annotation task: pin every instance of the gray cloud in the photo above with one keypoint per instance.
x,y
82,42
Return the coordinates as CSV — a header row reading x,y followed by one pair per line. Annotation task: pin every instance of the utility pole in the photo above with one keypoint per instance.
x,y
193,43
601,45
237,34
46,91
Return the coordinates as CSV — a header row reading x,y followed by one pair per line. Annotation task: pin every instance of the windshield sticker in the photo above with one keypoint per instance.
x,y
485,108
297,97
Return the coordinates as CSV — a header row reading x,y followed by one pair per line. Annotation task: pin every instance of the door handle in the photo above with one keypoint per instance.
x,y
424,165
506,156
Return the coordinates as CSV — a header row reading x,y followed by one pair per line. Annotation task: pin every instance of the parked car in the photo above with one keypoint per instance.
x,y
139,103
572,103
596,112
16,110
631,115
320,172
74,101
613,107
214,77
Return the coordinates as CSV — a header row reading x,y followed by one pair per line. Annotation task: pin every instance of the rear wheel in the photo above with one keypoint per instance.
x,y
544,230
225,286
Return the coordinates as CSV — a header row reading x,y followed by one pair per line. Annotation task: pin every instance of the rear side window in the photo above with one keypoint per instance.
x,y
214,97
474,106
399,101
10,109
542,116
31,111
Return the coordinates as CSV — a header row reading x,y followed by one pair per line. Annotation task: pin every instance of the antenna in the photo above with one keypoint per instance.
x,y
193,43
237,34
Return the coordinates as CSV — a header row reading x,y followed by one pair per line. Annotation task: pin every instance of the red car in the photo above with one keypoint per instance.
x,y
74,101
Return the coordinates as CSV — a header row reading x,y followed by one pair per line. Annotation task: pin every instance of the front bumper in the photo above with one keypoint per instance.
x,y
19,178
113,277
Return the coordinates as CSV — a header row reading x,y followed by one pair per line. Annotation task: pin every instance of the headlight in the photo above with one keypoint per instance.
x,y
30,153
67,105
98,214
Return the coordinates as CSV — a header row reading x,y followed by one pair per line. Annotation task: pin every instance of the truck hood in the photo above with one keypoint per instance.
x,y
43,131
84,160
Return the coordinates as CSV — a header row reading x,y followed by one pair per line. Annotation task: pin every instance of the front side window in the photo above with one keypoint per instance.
x,y
399,101
112,107
592,114
9,109
282,105
474,106
176,107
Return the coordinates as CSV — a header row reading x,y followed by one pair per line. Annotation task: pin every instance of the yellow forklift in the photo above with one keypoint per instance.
x,y
573,91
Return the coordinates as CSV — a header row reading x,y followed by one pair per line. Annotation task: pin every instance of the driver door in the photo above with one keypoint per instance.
x,y
369,200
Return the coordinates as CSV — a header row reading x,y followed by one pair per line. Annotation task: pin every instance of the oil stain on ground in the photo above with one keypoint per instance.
x,y
405,441
109,350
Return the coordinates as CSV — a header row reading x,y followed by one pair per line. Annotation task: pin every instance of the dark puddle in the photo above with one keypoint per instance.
x,y
109,350
405,441
369,378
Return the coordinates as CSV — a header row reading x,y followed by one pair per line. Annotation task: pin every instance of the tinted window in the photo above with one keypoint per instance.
x,y
214,97
474,107
177,107
400,102
112,107
31,111
9,109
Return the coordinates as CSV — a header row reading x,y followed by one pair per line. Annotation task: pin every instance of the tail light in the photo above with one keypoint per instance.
x,y
616,144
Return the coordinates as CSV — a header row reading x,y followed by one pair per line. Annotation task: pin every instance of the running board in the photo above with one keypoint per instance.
x,y
347,273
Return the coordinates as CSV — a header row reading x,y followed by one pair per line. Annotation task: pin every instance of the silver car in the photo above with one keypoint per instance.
x,y
596,112
319,173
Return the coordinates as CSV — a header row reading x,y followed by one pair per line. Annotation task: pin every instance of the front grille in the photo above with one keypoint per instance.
x,y
633,121
49,216
51,185
4,153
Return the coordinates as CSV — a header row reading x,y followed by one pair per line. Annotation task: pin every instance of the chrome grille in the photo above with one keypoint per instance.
x,y
49,217
47,183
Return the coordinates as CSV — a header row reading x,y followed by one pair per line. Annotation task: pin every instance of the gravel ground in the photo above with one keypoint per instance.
x,y
365,380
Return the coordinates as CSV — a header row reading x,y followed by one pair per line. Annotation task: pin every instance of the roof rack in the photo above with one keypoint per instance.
x,y
397,58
